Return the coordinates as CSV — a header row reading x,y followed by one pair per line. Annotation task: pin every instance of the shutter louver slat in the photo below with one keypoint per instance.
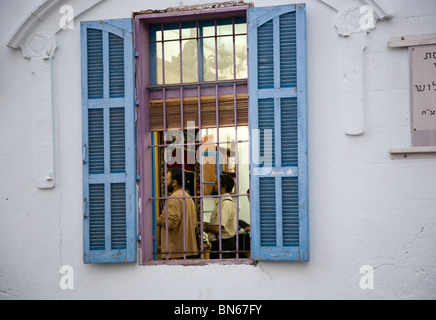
x,y
265,56
95,64
290,212
117,140
267,212
289,132
118,216
97,217
266,122
288,50
116,66
96,141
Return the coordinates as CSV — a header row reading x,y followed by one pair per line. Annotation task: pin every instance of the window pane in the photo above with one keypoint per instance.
x,y
159,59
189,61
241,57
225,58
225,29
172,62
190,32
171,34
209,59
159,35
209,31
240,28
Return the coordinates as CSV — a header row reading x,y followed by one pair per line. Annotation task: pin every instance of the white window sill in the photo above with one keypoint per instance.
x,y
413,153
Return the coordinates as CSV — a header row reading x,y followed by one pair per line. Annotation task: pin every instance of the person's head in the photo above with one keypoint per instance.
x,y
227,184
174,179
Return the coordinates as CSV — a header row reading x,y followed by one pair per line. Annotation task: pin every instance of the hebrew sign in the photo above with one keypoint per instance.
x,y
423,87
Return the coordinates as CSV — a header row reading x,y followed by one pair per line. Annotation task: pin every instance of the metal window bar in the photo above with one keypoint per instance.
x,y
183,139
163,87
202,252
195,143
203,37
199,197
165,129
236,138
194,84
199,72
218,158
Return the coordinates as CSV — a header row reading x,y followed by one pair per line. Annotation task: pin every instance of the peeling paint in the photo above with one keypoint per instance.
x,y
216,5
278,172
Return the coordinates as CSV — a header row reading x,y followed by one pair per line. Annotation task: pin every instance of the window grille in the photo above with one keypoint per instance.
x,y
198,85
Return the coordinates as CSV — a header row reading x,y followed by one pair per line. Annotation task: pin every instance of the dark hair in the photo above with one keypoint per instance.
x,y
227,182
176,174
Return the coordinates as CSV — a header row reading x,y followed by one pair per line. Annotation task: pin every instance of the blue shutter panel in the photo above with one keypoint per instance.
x,y
109,166
278,125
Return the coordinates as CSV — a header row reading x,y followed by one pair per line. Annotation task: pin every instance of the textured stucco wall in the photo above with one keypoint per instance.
x,y
364,207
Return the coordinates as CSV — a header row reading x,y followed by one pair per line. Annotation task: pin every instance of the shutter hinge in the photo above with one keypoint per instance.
x,y
84,208
138,238
137,103
136,54
138,178
84,154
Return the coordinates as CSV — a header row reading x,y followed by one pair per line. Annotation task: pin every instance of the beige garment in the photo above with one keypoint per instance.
x,y
175,226
228,218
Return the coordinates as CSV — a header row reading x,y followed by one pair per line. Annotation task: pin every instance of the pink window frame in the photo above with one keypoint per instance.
x,y
144,145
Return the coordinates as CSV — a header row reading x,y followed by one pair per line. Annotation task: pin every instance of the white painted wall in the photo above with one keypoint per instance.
x,y
364,209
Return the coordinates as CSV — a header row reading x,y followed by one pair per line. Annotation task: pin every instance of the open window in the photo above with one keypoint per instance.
x,y
218,92
198,109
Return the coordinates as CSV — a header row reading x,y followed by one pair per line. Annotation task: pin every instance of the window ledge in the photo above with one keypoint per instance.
x,y
413,153
200,262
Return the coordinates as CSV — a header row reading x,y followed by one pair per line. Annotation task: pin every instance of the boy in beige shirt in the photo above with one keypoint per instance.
x,y
228,220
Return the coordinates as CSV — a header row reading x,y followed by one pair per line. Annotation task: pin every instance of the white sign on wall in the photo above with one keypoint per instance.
x,y
423,87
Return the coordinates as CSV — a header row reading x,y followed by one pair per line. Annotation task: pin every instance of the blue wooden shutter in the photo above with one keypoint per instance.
x,y
278,122
109,166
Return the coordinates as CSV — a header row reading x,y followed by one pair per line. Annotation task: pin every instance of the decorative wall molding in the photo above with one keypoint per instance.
x,y
35,19
349,21
42,25
39,45
41,68
355,19
36,37
349,26
352,84
380,9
